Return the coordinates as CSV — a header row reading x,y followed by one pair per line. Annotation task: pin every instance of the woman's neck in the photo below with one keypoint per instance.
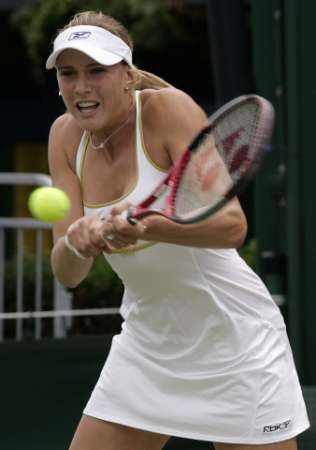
x,y
100,139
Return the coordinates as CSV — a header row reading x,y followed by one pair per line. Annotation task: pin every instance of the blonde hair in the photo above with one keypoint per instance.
x,y
143,79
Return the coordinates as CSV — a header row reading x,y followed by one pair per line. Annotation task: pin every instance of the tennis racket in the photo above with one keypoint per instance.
x,y
216,166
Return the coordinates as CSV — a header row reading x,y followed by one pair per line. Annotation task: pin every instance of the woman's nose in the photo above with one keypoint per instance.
x,y
82,85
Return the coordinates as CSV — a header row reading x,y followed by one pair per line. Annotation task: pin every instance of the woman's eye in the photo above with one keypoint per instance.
x,y
66,73
97,70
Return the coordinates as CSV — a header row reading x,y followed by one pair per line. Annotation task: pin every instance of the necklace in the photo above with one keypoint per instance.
x,y
106,140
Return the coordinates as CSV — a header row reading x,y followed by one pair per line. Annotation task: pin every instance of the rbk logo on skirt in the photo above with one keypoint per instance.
x,y
277,427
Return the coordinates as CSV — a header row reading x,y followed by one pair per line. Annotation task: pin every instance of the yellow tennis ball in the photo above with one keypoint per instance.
x,y
49,204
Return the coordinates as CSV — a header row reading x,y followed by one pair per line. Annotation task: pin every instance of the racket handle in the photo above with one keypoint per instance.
x,y
128,215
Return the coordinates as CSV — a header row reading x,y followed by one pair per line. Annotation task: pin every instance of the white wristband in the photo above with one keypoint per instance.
x,y
72,248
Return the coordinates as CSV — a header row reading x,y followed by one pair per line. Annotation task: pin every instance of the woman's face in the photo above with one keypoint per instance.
x,y
94,94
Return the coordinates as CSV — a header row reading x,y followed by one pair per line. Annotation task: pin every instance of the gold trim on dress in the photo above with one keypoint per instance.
x,y
140,127
116,200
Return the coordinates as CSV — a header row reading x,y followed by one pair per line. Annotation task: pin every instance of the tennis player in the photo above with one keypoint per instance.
x,y
203,352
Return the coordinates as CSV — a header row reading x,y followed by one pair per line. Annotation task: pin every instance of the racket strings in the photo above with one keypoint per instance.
x,y
235,137
221,157
196,187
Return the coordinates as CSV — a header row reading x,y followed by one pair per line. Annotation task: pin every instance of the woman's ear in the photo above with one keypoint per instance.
x,y
131,78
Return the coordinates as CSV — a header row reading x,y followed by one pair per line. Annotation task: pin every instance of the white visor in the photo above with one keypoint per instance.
x,y
96,42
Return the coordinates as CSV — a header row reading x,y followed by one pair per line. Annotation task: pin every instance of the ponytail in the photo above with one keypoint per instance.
x,y
148,80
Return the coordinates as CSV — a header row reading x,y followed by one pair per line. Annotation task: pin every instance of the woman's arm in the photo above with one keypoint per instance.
x,y
226,229
68,268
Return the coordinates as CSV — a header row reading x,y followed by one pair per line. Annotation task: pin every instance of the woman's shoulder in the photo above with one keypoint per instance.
x,y
65,126
65,137
169,105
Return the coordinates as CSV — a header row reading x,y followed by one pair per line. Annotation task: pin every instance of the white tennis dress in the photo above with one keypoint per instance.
x,y
203,352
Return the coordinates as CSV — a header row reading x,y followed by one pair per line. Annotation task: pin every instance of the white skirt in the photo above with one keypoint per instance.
x,y
255,401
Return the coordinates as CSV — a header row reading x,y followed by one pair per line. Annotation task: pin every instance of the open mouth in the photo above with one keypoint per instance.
x,y
87,106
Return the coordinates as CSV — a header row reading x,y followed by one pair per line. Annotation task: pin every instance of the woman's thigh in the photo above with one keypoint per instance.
x,y
290,444
95,434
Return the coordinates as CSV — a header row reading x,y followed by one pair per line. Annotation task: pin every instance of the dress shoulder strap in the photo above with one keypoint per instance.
x,y
81,153
142,152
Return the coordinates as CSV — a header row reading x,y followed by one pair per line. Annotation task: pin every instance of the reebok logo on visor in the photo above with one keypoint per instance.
x,y
79,35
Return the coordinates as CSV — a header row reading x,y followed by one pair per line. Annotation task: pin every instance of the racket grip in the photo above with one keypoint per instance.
x,y
128,215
